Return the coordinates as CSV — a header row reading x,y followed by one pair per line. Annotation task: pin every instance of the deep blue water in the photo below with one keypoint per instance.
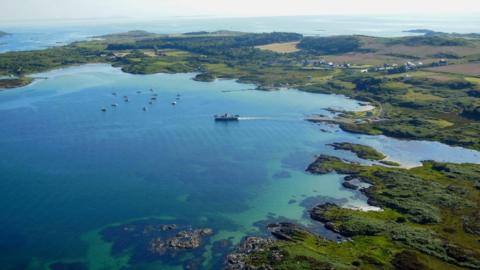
x,y
29,35
68,170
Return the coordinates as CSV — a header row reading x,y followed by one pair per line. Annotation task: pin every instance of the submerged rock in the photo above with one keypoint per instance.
x,y
349,185
282,175
151,240
68,266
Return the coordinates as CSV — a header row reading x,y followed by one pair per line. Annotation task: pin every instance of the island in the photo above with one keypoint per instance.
x,y
3,33
422,87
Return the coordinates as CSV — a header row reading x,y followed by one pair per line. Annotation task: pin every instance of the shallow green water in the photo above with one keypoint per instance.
x,y
68,170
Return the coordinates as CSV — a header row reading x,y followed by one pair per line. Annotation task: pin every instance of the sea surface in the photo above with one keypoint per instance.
x,y
32,35
69,171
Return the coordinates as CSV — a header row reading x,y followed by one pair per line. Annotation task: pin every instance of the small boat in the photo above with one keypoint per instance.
x,y
114,104
126,100
151,90
227,117
114,93
139,92
145,108
125,96
174,103
178,95
151,102
178,98
103,109
153,98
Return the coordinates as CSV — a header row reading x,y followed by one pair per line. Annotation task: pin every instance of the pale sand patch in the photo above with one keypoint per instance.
x,y
121,54
287,47
150,53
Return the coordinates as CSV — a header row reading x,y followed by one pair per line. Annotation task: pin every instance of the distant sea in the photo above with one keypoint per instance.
x,y
33,35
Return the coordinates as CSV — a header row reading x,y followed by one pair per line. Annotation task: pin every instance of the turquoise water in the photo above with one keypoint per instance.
x,y
28,35
68,170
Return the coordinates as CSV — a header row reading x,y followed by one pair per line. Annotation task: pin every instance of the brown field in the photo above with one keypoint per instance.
x,y
149,53
423,52
363,59
287,47
471,69
431,75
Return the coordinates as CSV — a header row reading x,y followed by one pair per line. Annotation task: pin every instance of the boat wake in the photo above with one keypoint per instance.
x,y
269,118
255,118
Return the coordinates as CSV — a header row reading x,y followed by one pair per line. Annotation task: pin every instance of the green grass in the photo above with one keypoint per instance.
x,y
362,151
17,82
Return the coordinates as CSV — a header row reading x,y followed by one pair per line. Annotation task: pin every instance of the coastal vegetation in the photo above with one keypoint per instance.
x,y
362,151
429,221
15,82
330,45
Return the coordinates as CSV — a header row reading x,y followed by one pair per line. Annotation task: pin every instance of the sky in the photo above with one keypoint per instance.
x,y
137,9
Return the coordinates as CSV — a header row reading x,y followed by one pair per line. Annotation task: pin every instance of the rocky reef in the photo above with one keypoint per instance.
x,y
154,240
183,240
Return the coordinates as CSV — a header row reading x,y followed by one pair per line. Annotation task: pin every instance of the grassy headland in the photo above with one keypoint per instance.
x,y
362,151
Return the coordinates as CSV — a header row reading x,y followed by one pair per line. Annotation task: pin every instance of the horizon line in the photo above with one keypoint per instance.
x,y
206,16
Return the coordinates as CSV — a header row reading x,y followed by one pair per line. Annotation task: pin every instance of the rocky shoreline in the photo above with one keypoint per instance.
x,y
409,230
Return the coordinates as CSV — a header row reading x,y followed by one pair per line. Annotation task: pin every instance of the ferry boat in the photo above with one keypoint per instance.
x,y
227,117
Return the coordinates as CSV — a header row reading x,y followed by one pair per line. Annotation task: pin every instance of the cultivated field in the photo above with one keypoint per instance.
x,y
287,47
471,69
